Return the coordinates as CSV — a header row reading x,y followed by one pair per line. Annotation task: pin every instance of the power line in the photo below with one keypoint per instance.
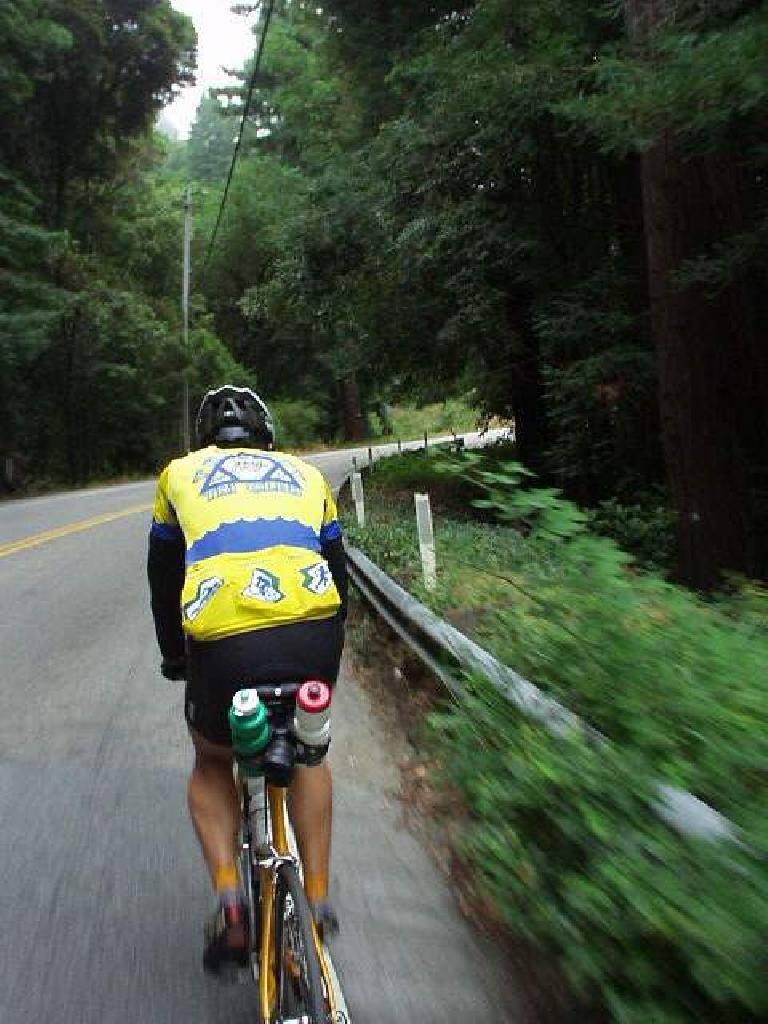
x,y
249,96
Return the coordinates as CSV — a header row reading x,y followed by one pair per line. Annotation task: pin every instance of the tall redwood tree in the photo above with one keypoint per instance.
x,y
712,367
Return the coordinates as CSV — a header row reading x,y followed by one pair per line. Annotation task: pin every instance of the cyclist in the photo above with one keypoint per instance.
x,y
248,584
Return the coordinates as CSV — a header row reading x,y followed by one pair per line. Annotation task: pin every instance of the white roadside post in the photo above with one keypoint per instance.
x,y
358,498
426,540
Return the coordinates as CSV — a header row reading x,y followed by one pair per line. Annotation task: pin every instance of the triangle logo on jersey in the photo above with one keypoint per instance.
x,y
256,472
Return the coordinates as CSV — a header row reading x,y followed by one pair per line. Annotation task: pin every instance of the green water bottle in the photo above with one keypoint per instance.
x,y
249,724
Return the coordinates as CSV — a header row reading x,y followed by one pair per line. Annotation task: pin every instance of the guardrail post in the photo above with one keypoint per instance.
x,y
358,497
399,446
370,458
426,540
426,442
458,442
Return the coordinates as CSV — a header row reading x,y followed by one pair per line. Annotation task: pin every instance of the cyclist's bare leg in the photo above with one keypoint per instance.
x,y
214,806
311,810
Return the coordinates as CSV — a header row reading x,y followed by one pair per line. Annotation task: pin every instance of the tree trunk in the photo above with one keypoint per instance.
x,y
531,427
352,419
705,346
515,383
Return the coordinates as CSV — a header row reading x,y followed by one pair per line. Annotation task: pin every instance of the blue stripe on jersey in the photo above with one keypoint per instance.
x,y
165,531
331,531
252,535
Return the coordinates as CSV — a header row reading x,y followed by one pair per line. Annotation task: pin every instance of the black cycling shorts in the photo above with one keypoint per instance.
x,y
217,669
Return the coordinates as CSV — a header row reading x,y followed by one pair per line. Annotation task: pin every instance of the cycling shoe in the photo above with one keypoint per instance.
x,y
227,942
324,916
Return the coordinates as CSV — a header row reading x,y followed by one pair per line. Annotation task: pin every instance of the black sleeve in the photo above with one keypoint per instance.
x,y
333,553
165,569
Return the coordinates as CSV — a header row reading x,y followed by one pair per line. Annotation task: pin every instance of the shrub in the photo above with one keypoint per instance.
x,y
408,421
645,529
297,423
657,928
561,836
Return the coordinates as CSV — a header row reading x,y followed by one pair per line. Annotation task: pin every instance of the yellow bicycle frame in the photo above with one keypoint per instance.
x,y
276,801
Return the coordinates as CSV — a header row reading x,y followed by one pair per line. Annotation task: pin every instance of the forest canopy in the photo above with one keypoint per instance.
x,y
557,208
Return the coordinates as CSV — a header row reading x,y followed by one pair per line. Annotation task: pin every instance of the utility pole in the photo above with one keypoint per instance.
x,y
185,319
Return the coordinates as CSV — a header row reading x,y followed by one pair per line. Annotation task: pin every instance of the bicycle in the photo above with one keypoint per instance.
x,y
288,960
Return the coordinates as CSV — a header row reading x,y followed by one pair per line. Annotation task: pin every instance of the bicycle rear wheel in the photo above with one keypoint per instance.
x,y
299,979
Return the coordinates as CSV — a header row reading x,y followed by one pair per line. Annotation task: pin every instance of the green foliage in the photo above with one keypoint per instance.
x,y
645,529
210,363
211,142
90,359
544,515
28,37
298,423
98,416
389,540
412,469
71,130
472,184
438,195
303,107
706,81
415,241
599,385
29,300
266,201
454,414
665,646
562,835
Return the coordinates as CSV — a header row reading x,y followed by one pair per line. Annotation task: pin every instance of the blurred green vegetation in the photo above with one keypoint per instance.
x,y
297,423
304,424
561,837
645,528
409,422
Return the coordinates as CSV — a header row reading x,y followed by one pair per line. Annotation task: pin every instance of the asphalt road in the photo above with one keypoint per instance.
x,y
102,889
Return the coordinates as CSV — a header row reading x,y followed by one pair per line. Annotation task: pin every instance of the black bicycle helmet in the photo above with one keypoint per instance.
x,y
232,416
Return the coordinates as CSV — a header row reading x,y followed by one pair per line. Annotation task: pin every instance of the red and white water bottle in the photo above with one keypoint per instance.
x,y
312,720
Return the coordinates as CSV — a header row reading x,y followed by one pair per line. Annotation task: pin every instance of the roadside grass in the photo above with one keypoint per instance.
x,y
558,837
410,421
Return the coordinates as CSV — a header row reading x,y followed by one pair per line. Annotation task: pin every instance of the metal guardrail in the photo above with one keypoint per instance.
x,y
448,653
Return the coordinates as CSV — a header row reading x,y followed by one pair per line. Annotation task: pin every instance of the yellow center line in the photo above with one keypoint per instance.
x,y
64,531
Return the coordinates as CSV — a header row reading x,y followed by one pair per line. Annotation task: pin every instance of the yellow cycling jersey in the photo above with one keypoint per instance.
x,y
253,523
